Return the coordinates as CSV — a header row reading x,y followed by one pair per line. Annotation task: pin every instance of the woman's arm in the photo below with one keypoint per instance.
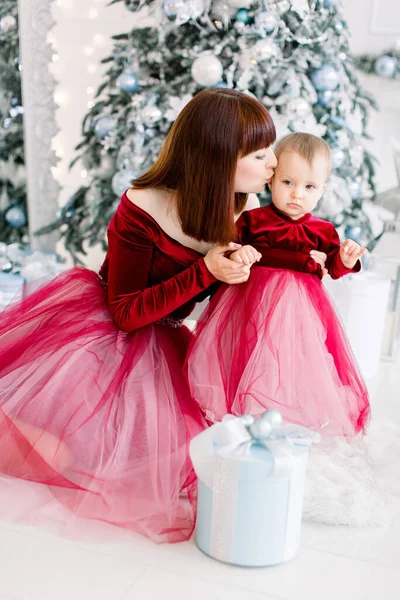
x,y
133,303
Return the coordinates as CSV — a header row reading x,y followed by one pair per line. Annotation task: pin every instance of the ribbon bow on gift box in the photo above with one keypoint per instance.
x,y
237,437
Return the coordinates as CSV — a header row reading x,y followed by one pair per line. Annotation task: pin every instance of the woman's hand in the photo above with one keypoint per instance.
x,y
320,258
224,269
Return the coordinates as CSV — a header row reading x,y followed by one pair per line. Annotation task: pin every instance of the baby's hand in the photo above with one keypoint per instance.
x,y
350,253
246,255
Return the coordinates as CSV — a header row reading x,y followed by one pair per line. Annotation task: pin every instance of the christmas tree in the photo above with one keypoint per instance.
x,y
13,214
294,56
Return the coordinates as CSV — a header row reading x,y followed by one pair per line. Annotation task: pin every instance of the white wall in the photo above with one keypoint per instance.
x,y
375,27
82,36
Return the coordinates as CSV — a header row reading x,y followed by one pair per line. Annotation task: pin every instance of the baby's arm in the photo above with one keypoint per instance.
x,y
345,258
246,254
350,252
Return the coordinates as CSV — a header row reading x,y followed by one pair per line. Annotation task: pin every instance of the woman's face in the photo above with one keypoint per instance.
x,y
254,171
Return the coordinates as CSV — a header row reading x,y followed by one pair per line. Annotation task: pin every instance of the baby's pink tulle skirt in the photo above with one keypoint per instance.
x,y
101,417
275,342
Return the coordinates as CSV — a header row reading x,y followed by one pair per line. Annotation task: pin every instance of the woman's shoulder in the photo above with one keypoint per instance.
x,y
133,215
148,200
140,206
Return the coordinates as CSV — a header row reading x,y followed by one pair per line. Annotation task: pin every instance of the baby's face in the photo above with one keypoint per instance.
x,y
297,186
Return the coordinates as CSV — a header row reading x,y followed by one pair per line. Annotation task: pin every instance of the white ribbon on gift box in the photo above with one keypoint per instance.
x,y
231,439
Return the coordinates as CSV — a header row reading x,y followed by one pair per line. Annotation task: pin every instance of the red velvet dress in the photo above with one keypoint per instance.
x,y
275,341
93,400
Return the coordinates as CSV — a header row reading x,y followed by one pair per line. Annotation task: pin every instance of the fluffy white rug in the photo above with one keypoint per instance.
x,y
355,483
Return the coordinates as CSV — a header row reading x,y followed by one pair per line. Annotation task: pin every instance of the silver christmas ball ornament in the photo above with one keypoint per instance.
x,y
273,417
16,217
128,82
386,66
325,78
181,11
260,429
105,125
265,21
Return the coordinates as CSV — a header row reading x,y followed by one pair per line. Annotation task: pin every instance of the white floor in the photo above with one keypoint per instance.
x,y
335,563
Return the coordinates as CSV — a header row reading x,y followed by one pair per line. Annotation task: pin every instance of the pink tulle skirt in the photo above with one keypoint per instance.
x,y
100,416
275,342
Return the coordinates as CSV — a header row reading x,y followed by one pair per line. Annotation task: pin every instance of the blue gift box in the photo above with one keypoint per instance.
x,y
11,288
250,492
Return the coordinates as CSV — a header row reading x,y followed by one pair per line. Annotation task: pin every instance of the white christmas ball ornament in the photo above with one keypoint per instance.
x,y
299,108
207,70
151,115
264,50
7,22
239,3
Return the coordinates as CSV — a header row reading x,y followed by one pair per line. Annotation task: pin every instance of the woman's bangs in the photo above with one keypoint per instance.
x,y
258,131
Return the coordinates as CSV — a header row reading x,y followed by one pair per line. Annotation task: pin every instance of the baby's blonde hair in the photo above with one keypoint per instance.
x,y
308,146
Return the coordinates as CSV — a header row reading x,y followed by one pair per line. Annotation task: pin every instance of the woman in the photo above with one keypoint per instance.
x,y
93,400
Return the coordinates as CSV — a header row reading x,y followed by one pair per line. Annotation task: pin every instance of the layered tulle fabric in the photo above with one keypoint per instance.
x,y
100,416
275,342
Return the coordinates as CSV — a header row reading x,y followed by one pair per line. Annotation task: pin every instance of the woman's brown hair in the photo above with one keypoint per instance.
x,y
199,156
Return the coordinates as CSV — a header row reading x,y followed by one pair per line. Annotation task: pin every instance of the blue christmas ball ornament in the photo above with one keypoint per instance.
x,y
105,125
386,66
330,3
260,429
128,82
353,232
242,15
16,217
325,78
325,98
273,417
